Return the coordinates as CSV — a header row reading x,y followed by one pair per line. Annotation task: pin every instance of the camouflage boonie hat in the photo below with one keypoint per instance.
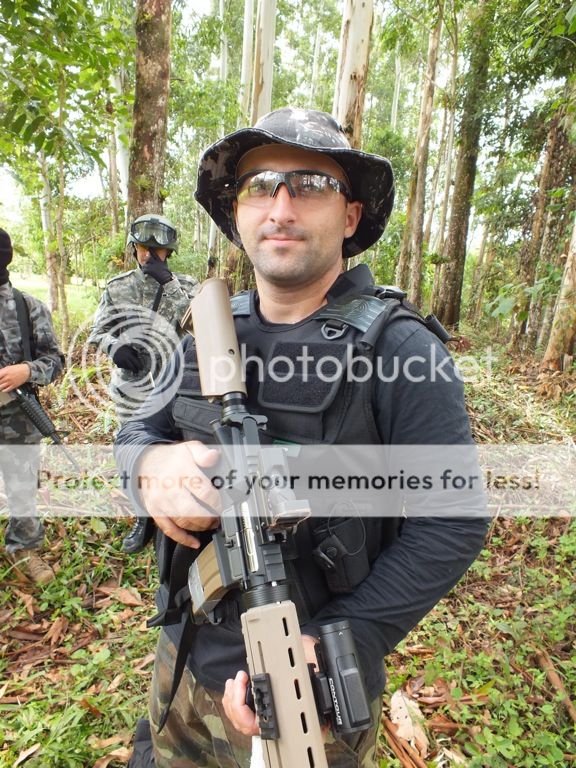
x,y
371,178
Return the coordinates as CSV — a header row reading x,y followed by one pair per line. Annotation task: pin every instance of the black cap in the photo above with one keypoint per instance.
x,y
6,251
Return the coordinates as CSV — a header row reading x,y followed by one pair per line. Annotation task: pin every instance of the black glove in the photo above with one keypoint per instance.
x,y
157,269
126,356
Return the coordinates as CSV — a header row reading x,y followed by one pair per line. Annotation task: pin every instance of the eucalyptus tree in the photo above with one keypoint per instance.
x,y
447,305
549,43
560,347
150,117
351,73
409,269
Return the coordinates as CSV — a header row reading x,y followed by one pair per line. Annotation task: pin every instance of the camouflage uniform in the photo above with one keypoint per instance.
x,y
125,313
19,469
198,732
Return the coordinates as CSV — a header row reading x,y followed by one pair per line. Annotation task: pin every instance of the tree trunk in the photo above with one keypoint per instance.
x,y
447,307
435,179
48,234
212,265
537,301
263,59
236,267
528,260
316,59
410,262
352,69
63,261
558,231
113,181
439,242
247,60
482,276
397,87
148,145
563,333
121,132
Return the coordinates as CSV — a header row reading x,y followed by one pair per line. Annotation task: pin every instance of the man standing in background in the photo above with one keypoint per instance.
x,y
137,326
29,357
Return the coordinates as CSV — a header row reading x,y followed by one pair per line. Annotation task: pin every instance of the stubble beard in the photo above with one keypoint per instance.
x,y
293,265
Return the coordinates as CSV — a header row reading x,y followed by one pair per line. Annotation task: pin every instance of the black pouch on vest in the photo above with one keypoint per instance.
x,y
341,553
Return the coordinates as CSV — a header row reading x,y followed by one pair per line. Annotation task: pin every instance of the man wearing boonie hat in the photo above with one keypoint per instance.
x,y
300,201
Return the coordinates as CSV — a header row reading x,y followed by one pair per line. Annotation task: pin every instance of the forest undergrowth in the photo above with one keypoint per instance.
x,y
487,680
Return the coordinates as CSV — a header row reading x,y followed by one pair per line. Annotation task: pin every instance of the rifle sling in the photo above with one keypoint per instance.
x,y
23,315
184,647
157,298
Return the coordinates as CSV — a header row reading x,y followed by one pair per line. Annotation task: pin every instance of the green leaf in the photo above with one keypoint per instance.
x,y
102,655
32,127
98,525
484,688
18,123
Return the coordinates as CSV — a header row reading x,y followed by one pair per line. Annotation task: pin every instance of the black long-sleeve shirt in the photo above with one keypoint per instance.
x,y
436,545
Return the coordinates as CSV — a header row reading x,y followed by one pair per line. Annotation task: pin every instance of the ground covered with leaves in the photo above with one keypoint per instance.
x,y
488,680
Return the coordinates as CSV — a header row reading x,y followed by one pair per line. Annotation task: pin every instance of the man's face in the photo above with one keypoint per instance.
x,y
291,241
143,253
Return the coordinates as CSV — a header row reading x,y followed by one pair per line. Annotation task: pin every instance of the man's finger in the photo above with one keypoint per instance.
x,y
173,531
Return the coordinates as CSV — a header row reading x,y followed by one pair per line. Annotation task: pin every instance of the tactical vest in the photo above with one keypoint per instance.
x,y
308,399
304,404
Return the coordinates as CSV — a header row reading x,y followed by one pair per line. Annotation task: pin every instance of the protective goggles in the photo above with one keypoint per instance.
x,y
258,187
145,231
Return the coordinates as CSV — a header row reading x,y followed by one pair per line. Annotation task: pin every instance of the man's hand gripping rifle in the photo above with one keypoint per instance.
x,y
247,551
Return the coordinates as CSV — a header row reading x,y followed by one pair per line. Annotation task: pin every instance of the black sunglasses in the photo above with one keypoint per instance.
x,y
257,187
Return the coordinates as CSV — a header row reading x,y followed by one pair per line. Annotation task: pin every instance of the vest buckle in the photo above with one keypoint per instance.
x,y
333,329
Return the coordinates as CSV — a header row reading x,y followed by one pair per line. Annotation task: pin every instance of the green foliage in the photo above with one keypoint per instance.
x,y
56,60
382,140
94,687
383,255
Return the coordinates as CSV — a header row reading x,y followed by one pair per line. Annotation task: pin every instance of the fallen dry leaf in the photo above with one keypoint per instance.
x,y
141,663
57,631
124,595
119,738
406,716
456,758
28,601
122,754
26,754
115,684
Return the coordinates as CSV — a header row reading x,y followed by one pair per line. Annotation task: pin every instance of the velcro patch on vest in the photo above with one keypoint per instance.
x,y
359,312
302,377
190,385
194,417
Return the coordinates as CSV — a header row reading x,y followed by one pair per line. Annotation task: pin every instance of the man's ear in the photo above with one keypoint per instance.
x,y
353,216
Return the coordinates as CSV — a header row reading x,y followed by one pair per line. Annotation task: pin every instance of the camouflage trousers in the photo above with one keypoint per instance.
x,y
198,732
19,462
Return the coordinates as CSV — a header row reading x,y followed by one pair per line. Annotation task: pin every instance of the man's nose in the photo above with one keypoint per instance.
x,y
282,205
